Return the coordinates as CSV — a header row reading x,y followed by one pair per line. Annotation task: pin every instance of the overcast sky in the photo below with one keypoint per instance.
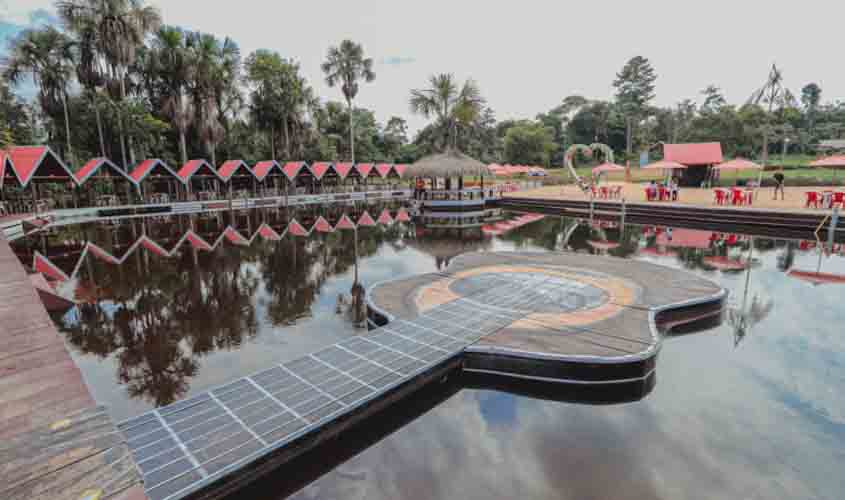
x,y
528,55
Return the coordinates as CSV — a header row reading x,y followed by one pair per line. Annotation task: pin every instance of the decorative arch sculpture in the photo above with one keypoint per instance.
x,y
587,151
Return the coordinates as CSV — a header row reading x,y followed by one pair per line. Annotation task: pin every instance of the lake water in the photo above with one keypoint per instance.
x,y
753,408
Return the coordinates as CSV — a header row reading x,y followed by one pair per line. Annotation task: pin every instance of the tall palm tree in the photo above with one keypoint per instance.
x,y
118,28
47,55
777,96
347,65
167,68
450,105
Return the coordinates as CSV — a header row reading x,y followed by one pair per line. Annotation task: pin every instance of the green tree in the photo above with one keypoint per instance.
x,y
117,29
451,106
14,117
528,143
811,96
634,91
713,99
346,65
167,72
47,55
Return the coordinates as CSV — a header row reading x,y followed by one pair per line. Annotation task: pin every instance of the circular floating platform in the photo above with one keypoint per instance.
x,y
579,318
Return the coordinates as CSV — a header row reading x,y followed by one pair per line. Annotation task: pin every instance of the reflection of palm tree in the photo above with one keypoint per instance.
x,y
743,317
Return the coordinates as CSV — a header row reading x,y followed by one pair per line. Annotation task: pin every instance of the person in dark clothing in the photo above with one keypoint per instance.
x,y
779,179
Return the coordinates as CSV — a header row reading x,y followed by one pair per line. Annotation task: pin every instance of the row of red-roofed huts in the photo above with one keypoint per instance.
x,y
21,165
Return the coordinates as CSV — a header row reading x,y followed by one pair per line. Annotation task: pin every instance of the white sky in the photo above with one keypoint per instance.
x,y
528,55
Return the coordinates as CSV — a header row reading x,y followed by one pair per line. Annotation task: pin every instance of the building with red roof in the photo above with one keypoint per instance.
x,y
29,163
699,157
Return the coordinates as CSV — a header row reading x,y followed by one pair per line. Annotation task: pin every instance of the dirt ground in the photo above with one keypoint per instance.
x,y
794,198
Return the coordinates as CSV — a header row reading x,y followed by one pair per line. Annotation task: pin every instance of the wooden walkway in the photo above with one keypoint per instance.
x,y
54,441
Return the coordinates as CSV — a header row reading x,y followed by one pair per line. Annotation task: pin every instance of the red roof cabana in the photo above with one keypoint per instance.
x,y
322,225
364,169
694,154
271,175
237,172
817,278
400,169
33,162
345,223
104,169
383,170
292,169
366,219
200,171
319,169
343,169
664,165
157,171
93,167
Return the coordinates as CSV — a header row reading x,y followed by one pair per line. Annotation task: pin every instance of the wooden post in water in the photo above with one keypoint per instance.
x,y
622,219
831,231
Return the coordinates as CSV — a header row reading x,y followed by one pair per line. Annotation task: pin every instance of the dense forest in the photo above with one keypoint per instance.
x,y
112,79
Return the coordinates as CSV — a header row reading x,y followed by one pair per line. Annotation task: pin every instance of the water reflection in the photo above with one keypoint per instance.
x,y
766,420
158,296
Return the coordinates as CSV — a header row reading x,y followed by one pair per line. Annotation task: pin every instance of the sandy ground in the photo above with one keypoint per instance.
x,y
793,201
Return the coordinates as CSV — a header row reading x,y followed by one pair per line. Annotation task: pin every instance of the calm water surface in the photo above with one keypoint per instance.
x,y
751,409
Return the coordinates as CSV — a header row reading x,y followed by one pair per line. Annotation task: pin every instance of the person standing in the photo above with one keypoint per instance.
x,y
779,181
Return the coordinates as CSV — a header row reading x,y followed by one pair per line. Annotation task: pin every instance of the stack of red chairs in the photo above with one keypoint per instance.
x,y
813,199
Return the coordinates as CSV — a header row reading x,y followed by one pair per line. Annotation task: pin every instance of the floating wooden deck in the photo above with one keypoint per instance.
x,y
54,441
533,315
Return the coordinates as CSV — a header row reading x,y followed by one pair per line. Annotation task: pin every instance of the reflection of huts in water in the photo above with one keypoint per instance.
x,y
441,193
444,248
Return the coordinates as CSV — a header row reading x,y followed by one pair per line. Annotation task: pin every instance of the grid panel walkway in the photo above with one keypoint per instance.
x,y
184,446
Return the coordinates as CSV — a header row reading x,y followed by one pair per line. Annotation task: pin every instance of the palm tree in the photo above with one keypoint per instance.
x,y
118,29
167,67
777,96
90,73
451,106
347,65
47,55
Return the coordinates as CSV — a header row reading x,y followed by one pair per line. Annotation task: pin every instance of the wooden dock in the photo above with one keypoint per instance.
x,y
54,441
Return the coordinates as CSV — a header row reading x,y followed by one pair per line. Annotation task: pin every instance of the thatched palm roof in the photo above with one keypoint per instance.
x,y
449,164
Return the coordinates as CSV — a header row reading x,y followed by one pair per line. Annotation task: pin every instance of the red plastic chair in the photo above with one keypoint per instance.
x,y
720,197
649,194
812,199
838,199
604,192
595,193
737,197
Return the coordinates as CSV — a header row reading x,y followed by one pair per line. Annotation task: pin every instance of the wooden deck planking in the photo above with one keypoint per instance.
x,y
54,441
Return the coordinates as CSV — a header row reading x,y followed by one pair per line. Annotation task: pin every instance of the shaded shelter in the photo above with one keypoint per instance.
x,y
271,177
239,178
201,180
292,171
699,157
101,182
448,166
831,162
51,183
156,181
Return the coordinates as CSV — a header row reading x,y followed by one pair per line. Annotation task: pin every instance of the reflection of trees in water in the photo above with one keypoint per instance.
x,y
159,316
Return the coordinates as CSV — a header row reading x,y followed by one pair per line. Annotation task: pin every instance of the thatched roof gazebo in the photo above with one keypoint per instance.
x,y
448,166
445,165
